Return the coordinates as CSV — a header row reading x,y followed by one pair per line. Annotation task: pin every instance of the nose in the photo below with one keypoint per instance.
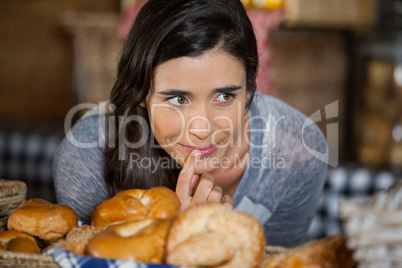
x,y
199,124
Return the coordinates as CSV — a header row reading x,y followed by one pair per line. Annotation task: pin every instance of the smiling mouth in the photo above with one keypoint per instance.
x,y
205,150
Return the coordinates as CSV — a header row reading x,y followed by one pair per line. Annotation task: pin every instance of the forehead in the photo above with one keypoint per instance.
x,y
212,69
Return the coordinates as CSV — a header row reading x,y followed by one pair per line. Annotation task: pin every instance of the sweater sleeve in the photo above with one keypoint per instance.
x,y
78,167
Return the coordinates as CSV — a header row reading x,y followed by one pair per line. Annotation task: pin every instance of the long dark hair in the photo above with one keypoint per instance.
x,y
164,30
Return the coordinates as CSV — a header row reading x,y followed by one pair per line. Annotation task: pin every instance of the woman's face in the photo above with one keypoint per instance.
x,y
198,103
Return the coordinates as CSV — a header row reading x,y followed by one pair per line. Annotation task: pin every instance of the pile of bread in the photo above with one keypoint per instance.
x,y
148,226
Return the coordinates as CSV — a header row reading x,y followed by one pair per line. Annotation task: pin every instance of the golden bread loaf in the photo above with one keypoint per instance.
x,y
43,219
137,240
22,244
6,236
135,204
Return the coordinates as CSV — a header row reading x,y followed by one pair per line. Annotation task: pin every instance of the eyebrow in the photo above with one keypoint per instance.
x,y
179,92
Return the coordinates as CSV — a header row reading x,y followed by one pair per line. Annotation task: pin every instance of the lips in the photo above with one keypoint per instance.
x,y
205,150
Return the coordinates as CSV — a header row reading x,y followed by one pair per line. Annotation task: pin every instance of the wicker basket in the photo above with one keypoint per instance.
x,y
12,195
15,259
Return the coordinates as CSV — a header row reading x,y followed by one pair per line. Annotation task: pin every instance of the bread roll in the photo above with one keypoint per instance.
x,y
43,219
213,234
330,252
6,236
157,202
22,244
137,240
77,239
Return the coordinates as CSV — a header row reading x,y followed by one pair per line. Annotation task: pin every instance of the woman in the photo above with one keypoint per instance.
x,y
186,116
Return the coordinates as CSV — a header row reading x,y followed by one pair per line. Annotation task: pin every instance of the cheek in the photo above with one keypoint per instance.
x,y
166,125
228,123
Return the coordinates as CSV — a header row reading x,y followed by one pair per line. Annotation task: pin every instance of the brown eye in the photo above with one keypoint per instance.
x,y
226,97
181,100
178,100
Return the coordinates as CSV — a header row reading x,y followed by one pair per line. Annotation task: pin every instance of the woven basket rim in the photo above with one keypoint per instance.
x,y
12,199
20,255
10,188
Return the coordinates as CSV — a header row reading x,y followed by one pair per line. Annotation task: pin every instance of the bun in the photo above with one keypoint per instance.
x,y
157,202
330,252
22,244
6,236
77,239
137,240
213,234
43,219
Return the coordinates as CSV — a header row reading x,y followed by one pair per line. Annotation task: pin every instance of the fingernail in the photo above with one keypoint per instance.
x,y
196,153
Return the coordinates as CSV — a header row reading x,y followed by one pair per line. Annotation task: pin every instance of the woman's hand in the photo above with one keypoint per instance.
x,y
206,190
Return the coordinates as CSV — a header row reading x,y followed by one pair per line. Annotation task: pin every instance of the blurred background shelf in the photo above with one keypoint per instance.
x,y
331,13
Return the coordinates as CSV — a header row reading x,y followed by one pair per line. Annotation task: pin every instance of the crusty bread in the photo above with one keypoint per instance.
x,y
77,239
213,234
330,252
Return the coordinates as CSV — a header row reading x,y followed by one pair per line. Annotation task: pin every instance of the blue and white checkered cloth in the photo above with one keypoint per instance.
x,y
66,259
